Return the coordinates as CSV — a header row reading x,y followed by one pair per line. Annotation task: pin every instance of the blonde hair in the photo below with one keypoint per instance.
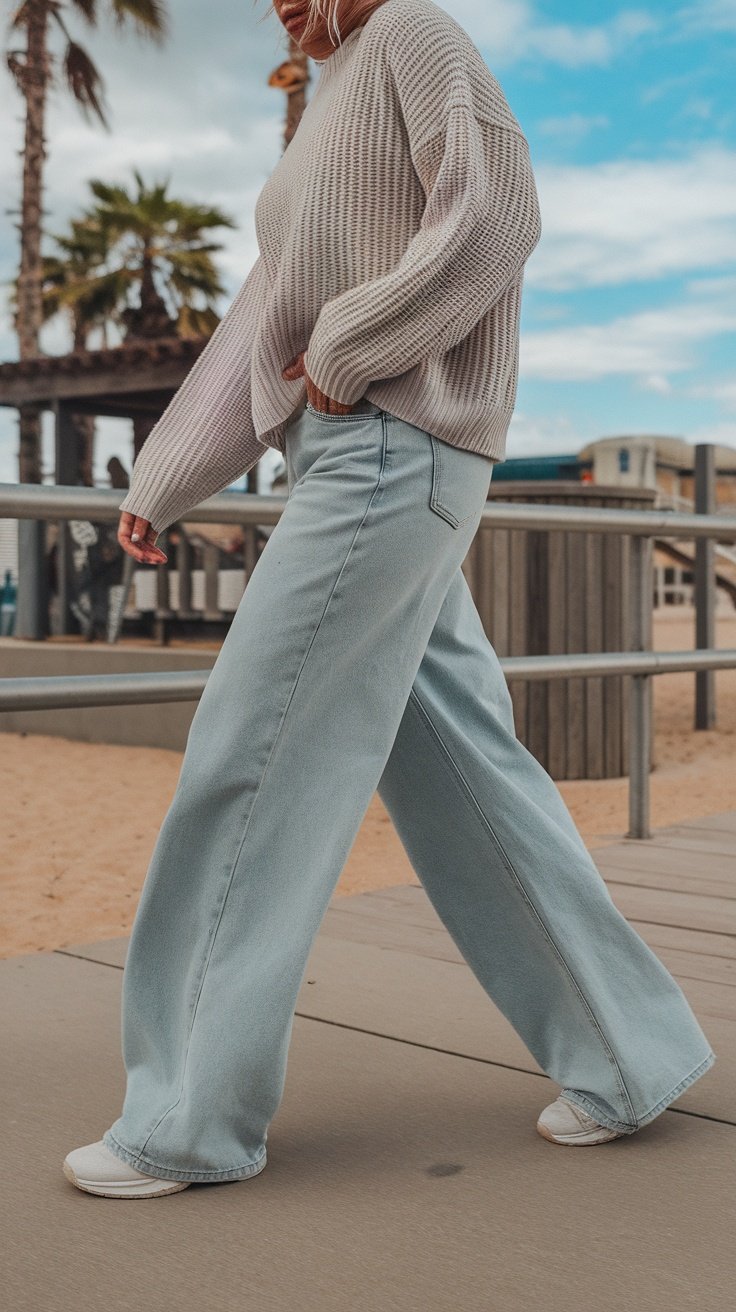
x,y
327,11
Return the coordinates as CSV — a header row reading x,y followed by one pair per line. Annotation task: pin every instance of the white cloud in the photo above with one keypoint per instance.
x,y
723,392
657,383
511,30
530,435
545,312
707,16
699,107
577,47
722,432
641,345
571,128
716,286
656,90
629,220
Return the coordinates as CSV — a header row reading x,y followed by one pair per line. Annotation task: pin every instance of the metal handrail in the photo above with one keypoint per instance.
x,y
49,692
40,501
36,501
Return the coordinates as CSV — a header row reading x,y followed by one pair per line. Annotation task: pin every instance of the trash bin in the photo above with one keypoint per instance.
x,y
8,603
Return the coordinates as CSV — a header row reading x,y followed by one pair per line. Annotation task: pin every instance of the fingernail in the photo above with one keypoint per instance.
x,y
135,537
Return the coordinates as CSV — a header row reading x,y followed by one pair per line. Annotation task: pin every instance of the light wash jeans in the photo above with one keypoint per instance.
x,y
357,662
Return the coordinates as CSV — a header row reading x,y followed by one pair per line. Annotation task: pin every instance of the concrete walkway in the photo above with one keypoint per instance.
x,y
405,1173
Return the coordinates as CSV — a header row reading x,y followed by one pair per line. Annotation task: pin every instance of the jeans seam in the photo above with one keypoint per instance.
x,y
436,738
277,736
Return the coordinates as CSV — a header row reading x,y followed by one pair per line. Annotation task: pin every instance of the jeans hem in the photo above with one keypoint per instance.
x,y
435,738
160,1172
623,1127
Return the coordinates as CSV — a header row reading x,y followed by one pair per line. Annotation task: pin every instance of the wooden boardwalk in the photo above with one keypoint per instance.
x,y
405,1173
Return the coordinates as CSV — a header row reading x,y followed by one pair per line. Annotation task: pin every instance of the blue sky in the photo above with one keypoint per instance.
x,y
629,309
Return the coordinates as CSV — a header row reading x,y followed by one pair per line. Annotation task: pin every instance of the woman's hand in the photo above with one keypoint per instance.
x,y
318,399
136,536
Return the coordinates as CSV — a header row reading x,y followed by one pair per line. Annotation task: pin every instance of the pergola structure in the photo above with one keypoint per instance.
x,y
135,380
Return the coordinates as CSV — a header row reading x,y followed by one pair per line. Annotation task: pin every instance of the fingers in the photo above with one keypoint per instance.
x,y
295,368
327,404
320,400
138,538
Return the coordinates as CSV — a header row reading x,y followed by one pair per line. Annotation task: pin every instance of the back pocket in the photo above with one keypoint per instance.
x,y
460,482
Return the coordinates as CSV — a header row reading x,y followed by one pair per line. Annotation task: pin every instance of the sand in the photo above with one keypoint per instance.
x,y
74,865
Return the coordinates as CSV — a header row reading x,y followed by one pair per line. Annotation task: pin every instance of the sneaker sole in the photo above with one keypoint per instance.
x,y
576,1140
126,1189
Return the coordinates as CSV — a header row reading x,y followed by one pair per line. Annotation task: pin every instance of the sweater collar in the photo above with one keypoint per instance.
x,y
330,65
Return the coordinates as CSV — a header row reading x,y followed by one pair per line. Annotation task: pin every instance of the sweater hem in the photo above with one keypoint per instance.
x,y
487,435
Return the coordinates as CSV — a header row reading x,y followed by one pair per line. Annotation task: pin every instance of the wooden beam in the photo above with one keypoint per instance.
x,y
131,380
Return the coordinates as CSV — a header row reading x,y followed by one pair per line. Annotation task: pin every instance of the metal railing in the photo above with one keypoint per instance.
x,y
32,501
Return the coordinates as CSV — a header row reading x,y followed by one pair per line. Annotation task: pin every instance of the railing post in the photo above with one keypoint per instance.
x,y
184,573
705,584
66,469
640,700
211,555
163,595
250,550
32,614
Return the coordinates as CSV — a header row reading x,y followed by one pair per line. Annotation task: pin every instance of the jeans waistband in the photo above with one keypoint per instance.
x,y
360,407
365,407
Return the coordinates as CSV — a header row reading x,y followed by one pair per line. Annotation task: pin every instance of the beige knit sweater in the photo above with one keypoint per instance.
x,y
393,234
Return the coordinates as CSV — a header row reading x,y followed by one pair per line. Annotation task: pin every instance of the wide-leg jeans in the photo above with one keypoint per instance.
x,y
356,662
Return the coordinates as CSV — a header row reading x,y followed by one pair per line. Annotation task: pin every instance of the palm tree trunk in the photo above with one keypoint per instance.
x,y
296,100
83,424
150,318
34,77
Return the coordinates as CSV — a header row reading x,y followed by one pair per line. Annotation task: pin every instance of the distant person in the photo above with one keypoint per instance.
x,y
375,344
117,473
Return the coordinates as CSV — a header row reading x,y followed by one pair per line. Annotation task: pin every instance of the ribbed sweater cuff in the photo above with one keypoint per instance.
x,y
149,507
337,378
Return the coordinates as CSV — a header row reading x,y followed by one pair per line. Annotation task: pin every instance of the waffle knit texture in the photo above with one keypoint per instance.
x,y
392,236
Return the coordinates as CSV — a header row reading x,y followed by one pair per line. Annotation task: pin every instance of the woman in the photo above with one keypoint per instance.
x,y
374,343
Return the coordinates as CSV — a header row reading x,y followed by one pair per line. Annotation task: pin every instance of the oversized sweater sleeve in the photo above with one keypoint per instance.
x,y
480,224
205,438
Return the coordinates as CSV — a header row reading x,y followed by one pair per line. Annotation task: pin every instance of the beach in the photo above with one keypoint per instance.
x,y
81,819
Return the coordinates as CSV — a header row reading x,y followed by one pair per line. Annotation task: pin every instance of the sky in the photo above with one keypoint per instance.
x,y
629,304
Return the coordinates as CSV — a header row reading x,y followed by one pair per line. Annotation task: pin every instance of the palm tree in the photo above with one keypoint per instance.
x,y
71,284
109,267
33,70
66,278
111,253
152,237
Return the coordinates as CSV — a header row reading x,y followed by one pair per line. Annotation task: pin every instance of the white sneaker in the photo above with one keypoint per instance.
x,y
564,1122
97,1170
